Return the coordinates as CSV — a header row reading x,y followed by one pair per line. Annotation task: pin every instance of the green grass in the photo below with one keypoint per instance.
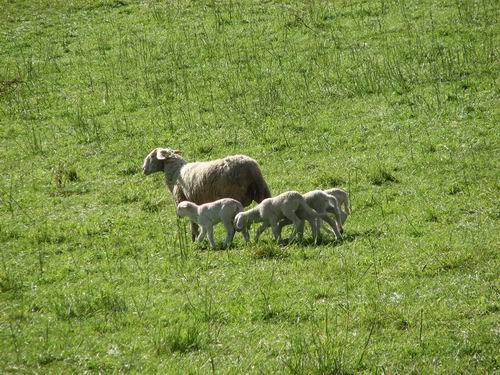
x,y
396,101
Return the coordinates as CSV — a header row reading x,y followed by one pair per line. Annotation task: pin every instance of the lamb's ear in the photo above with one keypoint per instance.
x,y
177,152
161,153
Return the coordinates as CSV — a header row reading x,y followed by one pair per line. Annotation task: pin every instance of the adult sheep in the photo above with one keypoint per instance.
x,y
238,177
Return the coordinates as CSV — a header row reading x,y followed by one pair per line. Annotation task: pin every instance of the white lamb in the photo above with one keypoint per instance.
x,y
323,204
342,197
208,214
290,205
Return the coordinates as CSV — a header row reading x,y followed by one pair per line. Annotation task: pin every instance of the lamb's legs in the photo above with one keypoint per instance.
x,y
298,223
313,222
334,226
210,232
230,234
276,231
319,223
300,230
284,222
245,233
259,231
194,231
202,235
338,216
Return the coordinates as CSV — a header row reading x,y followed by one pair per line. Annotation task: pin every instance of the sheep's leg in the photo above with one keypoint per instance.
x,y
283,223
313,222
259,231
210,232
230,234
338,215
334,226
319,223
194,230
202,235
245,233
276,231
298,223
229,238
300,230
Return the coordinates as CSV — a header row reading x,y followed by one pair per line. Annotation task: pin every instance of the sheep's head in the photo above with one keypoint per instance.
x,y
183,208
240,221
154,162
343,217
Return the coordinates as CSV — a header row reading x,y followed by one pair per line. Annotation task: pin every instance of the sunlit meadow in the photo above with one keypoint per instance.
x,y
394,101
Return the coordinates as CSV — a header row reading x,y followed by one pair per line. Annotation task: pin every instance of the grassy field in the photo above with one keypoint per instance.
x,y
396,101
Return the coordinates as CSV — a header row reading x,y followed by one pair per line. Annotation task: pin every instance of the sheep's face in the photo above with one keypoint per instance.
x,y
151,163
182,209
240,221
154,162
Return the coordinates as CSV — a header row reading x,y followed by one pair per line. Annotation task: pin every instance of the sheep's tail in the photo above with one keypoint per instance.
x,y
260,190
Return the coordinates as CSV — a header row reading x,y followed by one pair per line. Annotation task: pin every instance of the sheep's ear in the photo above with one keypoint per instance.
x,y
161,154
177,152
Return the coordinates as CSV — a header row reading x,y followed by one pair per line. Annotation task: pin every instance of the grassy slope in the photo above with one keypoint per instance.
x,y
398,103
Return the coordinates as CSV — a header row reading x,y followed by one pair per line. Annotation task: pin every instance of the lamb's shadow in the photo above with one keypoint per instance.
x,y
324,240
352,235
310,242
347,236
205,246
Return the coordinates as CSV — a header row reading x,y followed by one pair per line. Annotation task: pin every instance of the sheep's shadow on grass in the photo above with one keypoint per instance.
x,y
326,239
306,242
323,240
354,235
205,246
268,250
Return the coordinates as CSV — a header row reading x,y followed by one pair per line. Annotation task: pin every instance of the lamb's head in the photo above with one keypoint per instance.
x,y
184,208
154,162
240,221
343,218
